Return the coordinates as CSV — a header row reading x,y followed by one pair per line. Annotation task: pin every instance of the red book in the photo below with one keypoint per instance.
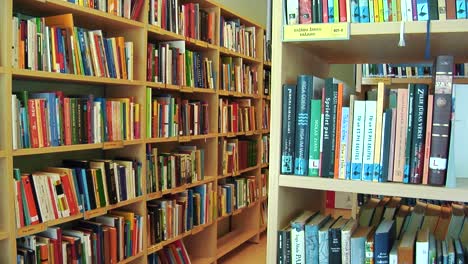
x,y
99,57
163,14
68,191
186,20
149,62
136,9
32,207
19,199
44,123
33,123
235,118
109,120
324,11
113,244
72,242
192,21
427,144
67,121
343,13
305,11
330,199
173,248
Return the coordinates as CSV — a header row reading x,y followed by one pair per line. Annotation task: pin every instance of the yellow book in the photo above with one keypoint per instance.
x,y
55,67
116,60
128,216
378,131
376,10
398,6
381,10
40,133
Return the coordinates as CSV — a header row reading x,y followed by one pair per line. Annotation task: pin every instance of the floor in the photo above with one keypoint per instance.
x,y
247,253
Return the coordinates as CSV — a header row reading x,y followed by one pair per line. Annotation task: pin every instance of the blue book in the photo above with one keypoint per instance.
x,y
110,58
79,193
357,139
25,126
303,99
383,241
461,9
331,9
202,191
311,237
423,10
82,182
364,11
358,244
122,182
355,12
288,128
228,199
83,47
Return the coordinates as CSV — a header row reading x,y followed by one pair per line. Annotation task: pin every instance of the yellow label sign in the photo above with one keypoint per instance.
x,y
314,32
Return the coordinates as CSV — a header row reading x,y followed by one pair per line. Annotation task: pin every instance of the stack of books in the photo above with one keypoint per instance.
x,y
179,213
52,119
78,186
387,231
168,170
106,239
264,179
236,155
54,44
172,253
123,8
237,76
171,63
238,37
237,115
236,193
407,70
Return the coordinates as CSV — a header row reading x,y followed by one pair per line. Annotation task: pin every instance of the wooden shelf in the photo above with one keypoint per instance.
x,y
157,195
238,94
226,52
232,240
34,229
197,137
2,69
264,165
124,203
385,188
162,140
367,39
407,80
267,63
162,34
3,235
130,259
156,85
263,228
3,154
69,78
201,260
238,173
237,211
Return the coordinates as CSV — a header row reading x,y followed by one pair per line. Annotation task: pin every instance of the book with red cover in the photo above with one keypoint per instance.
x,y
343,13
33,123
324,11
305,11
32,203
67,121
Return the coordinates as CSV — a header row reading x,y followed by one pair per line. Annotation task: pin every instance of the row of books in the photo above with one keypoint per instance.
x,y
236,193
390,70
237,154
266,49
264,178
171,63
188,19
238,37
266,114
266,81
169,116
168,170
106,239
53,119
238,77
54,44
385,232
174,253
238,115
123,8
391,136
370,11
265,149
78,186
179,213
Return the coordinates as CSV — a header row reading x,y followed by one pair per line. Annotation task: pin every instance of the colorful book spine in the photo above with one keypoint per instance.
x,y
385,149
288,129
419,133
315,131
359,116
369,141
329,129
422,10
305,12
355,12
303,99
331,11
343,151
364,11
400,135
409,133
377,169
350,137
460,9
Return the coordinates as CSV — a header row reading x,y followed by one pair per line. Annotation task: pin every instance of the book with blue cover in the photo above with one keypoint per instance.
x,y
384,237
311,237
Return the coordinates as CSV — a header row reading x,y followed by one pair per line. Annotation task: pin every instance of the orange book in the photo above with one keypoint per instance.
x,y
113,244
336,170
406,248
107,244
427,144
443,223
121,55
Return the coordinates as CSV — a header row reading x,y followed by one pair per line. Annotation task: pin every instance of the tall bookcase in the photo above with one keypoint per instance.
x,y
368,43
206,243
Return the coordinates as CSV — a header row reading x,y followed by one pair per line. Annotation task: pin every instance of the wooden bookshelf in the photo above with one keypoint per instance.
x,y
204,242
368,43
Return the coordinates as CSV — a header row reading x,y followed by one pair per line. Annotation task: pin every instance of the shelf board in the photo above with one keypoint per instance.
x,y
407,80
125,203
132,258
237,211
197,137
162,34
263,228
162,140
377,42
34,229
202,260
186,186
3,154
46,150
238,94
156,85
264,165
226,52
377,188
267,63
238,173
232,240
69,78
3,235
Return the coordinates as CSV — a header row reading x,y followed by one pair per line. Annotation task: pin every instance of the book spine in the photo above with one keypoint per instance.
x,y
427,144
303,99
369,247
364,11
331,12
325,11
338,129
288,129
381,248
409,133
350,137
441,122
400,135
358,255
305,11
298,243
314,150
433,9
336,11
343,151
422,10
292,12
355,12
373,11
334,244
346,247
385,149
369,141
419,133
377,169
323,247
343,11
460,9
329,127
358,139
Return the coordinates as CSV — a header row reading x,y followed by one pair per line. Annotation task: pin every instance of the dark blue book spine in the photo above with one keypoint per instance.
x,y
381,248
301,151
288,129
387,128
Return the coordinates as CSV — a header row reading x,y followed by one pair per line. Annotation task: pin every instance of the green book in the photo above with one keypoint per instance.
x,y
315,130
100,188
336,11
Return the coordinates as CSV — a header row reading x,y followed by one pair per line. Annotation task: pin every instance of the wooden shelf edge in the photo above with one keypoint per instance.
x,y
3,235
70,78
125,203
180,189
378,188
202,260
46,150
161,140
34,229
132,258
233,240
226,51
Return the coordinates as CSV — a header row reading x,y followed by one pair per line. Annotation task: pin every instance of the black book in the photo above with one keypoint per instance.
x,y
419,133
330,102
288,125
334,241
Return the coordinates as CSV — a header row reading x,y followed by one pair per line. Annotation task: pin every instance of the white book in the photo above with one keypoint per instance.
x,y
14,53
127,8
393,255
344,142
298,236
371,12
129,59
292,12
359,116
346,233
409,10
64,249
384,136
422,247
369,140
94,56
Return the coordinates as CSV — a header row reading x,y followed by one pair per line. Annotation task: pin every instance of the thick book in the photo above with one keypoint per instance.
x,y
418,133
384,238
330,101
369,142
358,139
442,111
298,236
288,126
334,240
312,228
315,131
303,100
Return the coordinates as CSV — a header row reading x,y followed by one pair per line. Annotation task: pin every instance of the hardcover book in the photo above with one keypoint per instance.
x,y
288,124
303,100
